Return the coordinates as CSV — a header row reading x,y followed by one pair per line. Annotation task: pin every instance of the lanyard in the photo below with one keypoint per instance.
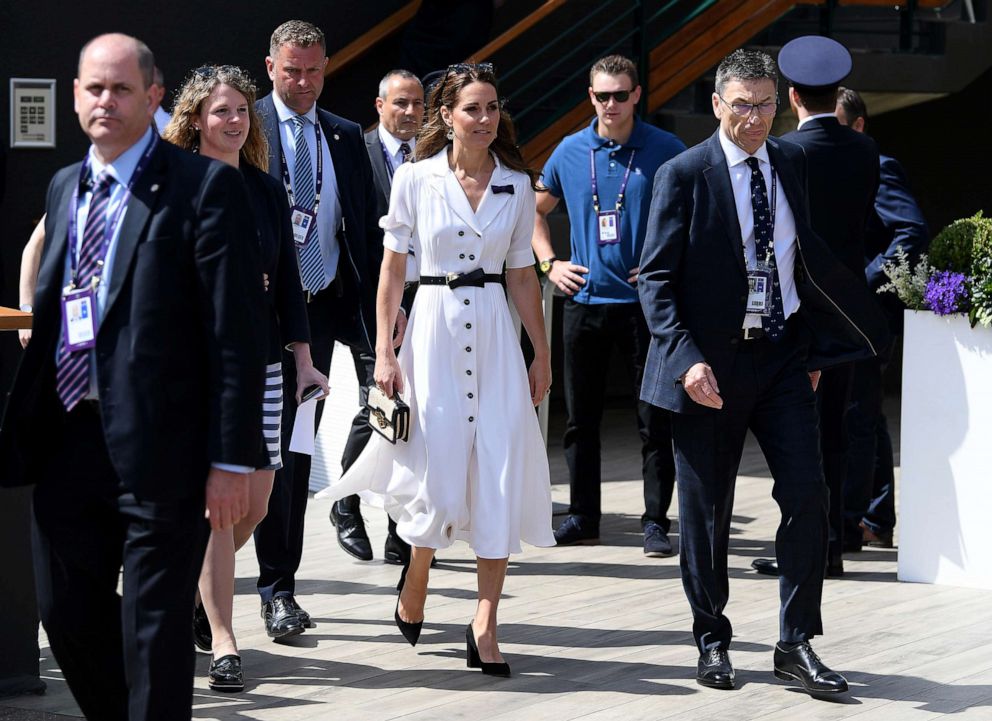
x,y
595,186
385,157
320,172
114,220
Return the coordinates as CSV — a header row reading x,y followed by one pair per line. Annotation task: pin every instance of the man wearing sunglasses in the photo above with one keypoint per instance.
x,y
745,305
604,174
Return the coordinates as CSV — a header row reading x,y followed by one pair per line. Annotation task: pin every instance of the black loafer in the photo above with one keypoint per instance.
x,y
281,618
202,635
346,517
766,566
577,531
801,664
714,669
397,551
225,674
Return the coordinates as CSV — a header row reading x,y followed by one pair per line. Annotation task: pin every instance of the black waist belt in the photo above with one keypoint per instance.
x,y
477,278
752,333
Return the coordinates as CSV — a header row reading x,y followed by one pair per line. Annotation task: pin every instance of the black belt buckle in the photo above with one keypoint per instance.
x,y
476,278
752,333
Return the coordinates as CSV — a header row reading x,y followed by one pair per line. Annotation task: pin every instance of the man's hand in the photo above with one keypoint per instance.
x,y
567,276
634,274
399,330
24,336
227,498
814,378
700,383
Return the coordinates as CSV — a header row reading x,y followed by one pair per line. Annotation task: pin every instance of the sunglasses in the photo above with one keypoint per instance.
x,y
209,71
621,96
481,69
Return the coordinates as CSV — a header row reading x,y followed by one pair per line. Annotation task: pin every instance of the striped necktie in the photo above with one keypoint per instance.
x,y
311,261
72,372
764,227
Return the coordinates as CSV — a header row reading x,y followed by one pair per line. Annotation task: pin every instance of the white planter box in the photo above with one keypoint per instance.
x,y
945,501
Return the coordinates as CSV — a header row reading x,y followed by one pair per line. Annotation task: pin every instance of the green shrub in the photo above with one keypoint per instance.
x,y
955,246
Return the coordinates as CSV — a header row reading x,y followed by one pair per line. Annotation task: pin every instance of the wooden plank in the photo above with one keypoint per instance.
x,y
511,34
12,319
364,42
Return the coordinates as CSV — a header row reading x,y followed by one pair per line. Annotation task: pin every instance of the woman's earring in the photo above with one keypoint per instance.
x,y
451,134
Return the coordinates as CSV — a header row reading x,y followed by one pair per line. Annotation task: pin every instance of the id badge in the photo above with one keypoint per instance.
x,y
609,227
759,290
304,222
79,319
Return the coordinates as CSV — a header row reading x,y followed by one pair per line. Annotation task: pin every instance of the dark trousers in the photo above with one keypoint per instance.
x,y
124,656
590,333
768,391
279,537
869,489
833,398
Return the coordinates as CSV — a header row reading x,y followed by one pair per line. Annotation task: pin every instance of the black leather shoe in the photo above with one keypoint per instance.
x,y
834,567
225,674
202,635
346,517
767,566
801,664
714,669
304,617
410,631
577,531
281,618
396,550
473,660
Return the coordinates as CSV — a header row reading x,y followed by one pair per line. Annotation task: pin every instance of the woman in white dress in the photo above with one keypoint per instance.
x,y
475,467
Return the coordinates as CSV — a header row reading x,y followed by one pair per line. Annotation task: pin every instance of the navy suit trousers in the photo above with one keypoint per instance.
x,y
767,392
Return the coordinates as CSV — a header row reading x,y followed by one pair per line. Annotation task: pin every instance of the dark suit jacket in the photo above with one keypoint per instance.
x,y
287,310
380,173
180,351
361,252
693,281
842,180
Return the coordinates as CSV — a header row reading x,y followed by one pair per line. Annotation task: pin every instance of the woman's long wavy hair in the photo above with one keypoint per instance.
x,y
201,82
433,135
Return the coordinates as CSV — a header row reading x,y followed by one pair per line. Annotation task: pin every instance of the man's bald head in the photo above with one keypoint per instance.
x,y
120,44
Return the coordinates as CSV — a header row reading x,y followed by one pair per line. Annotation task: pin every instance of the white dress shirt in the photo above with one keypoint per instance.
x,y
814,117
329,211
392,145
784,242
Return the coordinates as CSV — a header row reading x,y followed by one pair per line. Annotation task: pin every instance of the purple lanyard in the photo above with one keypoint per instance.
x,y
385,156
111,227
320,172
595,186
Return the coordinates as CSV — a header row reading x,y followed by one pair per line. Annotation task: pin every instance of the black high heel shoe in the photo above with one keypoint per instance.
x,y
410,631
474,661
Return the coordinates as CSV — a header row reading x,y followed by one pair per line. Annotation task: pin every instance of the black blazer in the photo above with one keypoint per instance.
x,y
842,180
380,173
693,280
181,350
361,251
287,310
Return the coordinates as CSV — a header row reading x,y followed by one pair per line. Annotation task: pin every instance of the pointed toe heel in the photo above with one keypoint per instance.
x,y
473,660
410,631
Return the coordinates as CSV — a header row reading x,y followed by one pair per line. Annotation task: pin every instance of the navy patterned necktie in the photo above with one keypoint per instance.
x,y
311,261
72,369
764,228
405,149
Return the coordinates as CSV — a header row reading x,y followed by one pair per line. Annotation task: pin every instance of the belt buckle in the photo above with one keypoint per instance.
x,y
749,336
452,277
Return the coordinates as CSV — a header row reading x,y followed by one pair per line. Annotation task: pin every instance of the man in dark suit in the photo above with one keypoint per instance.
x,y
139,397
320,158
400,105
745,304
843,181
898,222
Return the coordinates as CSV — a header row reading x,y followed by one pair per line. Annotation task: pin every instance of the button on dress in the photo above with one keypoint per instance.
x,y
475,467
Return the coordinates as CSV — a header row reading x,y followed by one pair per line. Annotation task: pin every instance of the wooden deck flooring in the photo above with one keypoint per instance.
x,y
593,633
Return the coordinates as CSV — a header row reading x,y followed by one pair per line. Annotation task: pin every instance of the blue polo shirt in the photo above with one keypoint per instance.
x,y
567,175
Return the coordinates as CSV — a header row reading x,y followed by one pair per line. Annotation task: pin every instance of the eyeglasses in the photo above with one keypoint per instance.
x,y
621,96
744,110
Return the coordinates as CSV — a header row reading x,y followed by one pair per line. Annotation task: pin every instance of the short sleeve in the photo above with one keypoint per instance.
x,y
551,176
520,254
400,221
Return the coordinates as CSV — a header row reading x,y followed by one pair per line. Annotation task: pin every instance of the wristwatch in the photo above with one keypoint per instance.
x,y
546,264
26,308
